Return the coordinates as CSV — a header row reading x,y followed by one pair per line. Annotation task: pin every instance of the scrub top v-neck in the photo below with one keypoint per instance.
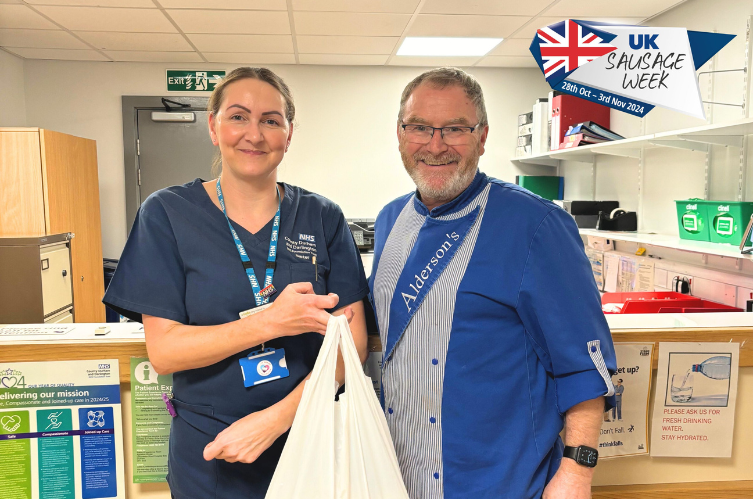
x,y
180,263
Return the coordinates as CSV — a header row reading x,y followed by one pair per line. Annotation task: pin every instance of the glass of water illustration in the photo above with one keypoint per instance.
x,y
682,387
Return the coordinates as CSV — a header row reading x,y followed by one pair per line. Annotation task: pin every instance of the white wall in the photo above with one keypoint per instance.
x,y
12,98
672,174
344,146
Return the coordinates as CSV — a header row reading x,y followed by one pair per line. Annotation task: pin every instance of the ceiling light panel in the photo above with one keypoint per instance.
x,y
447,47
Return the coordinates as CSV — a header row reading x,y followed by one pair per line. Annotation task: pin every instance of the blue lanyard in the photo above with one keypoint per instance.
x,y
247,265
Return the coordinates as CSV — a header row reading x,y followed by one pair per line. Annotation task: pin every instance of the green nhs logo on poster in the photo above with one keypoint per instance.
x,y
193,81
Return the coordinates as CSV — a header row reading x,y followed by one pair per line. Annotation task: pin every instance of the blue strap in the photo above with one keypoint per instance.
x,y
247,265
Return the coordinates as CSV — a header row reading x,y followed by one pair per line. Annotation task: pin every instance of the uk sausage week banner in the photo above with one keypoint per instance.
x,y
628,68
60,430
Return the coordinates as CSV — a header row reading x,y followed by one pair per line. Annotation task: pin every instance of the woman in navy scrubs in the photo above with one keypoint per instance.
x,y
192,264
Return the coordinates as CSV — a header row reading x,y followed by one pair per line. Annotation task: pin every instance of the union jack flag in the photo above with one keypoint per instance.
x,y
567,45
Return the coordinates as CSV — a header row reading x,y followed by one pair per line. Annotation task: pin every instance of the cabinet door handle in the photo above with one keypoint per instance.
x,y
45,264
65,273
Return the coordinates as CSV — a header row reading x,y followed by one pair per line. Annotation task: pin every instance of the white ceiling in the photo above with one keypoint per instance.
x,y
343,32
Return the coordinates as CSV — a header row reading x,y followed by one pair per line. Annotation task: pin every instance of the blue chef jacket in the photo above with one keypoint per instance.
x,y
180,263
491,328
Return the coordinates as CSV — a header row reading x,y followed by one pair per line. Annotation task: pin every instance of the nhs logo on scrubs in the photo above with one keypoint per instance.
x,y
306,237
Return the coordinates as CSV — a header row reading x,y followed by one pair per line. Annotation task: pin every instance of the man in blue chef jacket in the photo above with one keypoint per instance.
x,y
490,320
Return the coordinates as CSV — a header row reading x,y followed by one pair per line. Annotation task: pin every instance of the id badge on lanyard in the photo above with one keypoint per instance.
x,y
266,364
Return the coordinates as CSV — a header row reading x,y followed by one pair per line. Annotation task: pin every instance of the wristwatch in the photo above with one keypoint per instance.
x,y
583,455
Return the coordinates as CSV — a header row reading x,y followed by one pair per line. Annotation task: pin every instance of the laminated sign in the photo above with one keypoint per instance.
x,y
338,449
696,391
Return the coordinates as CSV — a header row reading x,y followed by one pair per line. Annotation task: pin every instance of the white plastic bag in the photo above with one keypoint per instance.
x,y
338,450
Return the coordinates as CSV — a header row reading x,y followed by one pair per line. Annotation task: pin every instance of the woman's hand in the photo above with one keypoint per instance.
x,y
246,439
298,310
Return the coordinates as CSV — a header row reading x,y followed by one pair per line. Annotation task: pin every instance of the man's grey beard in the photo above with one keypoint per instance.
x,y
451,186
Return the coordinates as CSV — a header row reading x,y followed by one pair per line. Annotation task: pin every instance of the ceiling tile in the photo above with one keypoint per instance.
x,y
224,4
244,58
232,22
346,44
270,44
10,1
475,26
148,4
401,60
485,7
136,56
512,46
59,54
529,31
394,6
21,16
343,59
153,42
599,8
507,61
39,38
348,23
109,19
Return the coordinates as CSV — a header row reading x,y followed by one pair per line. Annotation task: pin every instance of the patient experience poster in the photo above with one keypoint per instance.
x,y
696,391
61,430
624,431
150,421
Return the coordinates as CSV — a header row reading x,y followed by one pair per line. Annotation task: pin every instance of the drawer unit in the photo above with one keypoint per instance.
x,y
35,280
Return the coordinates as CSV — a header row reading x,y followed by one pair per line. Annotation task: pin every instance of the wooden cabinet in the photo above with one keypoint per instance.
x,y
51,186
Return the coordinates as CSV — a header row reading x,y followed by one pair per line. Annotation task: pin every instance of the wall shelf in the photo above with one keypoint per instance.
x,y
672,242
695,139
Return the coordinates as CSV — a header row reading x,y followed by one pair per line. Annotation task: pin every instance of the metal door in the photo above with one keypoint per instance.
x,y
160,154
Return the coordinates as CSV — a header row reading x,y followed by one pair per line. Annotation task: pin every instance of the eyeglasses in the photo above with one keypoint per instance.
x,y
452,135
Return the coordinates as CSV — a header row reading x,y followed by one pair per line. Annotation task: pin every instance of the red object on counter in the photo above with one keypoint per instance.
x,y
663,302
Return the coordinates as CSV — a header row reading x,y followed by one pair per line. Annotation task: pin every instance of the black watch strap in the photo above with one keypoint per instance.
x,y
583,455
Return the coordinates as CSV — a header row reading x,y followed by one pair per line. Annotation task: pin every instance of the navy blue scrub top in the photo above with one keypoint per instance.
x,y
180,263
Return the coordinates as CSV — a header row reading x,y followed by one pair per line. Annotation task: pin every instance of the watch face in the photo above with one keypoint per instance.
x,y
587,457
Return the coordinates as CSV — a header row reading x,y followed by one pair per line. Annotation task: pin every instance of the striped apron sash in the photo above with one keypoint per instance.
x,y
436,244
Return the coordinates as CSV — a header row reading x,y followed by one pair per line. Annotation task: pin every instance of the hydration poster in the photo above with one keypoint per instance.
x,y
696,391
60,430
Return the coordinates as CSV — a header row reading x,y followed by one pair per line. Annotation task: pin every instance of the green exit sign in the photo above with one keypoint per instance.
x,y
193,81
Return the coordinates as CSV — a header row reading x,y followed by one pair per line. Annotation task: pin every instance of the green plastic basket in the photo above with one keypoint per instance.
x,y
727,220
692,219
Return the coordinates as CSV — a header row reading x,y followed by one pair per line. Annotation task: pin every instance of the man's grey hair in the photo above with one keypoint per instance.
x,y
445,77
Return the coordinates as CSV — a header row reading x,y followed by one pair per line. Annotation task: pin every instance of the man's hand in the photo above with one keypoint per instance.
x,y
246,439
569,482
